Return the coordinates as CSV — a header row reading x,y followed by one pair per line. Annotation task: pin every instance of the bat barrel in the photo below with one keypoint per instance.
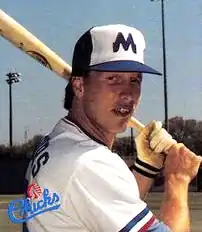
x,y
31,45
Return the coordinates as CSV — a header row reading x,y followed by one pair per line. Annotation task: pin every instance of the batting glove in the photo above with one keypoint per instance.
x,y
152,145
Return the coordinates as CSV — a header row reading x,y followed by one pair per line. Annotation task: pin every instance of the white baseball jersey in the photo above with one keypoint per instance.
x,y
97,190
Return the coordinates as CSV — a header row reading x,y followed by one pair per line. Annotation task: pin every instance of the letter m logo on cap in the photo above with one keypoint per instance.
x,y
125,43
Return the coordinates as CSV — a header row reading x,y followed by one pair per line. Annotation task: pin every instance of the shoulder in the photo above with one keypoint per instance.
x,y
102,156
106,168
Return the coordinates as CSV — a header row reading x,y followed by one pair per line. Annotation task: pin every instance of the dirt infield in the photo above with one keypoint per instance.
x,y
153,200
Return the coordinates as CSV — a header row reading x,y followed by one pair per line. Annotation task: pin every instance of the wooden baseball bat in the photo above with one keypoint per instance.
x,y
21,38
28,43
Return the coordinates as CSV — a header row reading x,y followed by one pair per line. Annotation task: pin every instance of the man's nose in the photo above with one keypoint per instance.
x,y
127,95
127,98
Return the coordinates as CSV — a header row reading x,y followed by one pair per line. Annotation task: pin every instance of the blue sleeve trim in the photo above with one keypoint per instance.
x,y
135,220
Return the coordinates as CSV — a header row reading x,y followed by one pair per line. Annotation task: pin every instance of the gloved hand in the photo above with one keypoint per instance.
x,y
152,144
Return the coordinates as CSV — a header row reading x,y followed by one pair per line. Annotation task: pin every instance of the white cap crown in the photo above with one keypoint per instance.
x,y
116,42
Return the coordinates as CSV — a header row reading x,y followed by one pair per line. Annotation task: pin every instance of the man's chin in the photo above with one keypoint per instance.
x,y
120,127
117,124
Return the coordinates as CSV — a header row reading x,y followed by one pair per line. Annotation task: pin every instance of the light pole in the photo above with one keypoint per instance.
x,y
13,77
164,63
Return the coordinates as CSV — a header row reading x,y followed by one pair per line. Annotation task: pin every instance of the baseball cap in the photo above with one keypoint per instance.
x,y
116,48
109,48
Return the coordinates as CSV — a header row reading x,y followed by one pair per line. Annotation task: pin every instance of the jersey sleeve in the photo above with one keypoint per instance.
x,y
158,226
105,196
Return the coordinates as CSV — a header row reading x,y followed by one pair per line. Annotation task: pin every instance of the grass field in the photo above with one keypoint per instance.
x,y
5,224
153,200
8,198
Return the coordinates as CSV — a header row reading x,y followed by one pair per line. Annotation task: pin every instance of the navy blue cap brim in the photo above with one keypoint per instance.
x,y
123,66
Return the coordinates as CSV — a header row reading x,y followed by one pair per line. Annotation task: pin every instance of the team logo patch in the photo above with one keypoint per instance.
x,y
38,201
125,43
34,191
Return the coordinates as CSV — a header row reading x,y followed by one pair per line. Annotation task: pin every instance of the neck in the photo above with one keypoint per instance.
x,y
93,129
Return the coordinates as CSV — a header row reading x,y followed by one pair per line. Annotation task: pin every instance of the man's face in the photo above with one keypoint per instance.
x,y
109,98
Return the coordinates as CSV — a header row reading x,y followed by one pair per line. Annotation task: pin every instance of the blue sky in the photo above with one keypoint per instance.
x,y
38,98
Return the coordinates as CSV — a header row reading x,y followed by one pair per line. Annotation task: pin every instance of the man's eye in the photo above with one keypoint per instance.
x,y
112,78
136,81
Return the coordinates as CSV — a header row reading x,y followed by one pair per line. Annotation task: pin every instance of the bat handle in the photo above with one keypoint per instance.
x,y
134,123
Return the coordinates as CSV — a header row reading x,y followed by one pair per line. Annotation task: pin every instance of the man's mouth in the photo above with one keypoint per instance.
x,y
123,111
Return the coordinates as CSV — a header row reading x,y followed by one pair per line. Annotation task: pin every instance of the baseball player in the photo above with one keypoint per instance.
x,y
81,184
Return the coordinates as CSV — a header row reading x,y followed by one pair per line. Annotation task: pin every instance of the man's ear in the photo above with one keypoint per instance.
x,y
77,85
